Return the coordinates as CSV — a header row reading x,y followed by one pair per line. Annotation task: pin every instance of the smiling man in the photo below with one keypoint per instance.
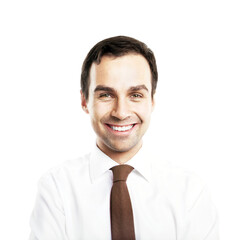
x,y
118,191
120,104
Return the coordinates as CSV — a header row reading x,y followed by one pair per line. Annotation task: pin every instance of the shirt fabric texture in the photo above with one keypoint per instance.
x,y
170,203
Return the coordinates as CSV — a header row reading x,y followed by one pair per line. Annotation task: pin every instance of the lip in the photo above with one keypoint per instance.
x,y
120,133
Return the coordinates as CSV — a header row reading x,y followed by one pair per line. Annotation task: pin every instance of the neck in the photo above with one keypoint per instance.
x,y
120,157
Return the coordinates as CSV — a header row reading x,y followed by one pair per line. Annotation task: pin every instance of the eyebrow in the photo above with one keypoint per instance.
x,y
103,88
109,89
138,88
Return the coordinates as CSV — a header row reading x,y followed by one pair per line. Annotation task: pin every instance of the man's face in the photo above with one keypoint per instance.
x,y
120,102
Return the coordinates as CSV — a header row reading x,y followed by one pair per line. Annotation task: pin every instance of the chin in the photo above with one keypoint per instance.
x,y
122,147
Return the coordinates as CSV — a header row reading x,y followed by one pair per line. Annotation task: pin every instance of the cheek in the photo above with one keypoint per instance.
x,y
99,110
144,110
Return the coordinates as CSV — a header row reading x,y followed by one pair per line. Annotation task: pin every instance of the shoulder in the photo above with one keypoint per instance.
x,y
169,173
179,183
66,169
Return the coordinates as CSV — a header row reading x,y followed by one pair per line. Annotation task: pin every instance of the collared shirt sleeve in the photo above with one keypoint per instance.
x,y
48,220
202,218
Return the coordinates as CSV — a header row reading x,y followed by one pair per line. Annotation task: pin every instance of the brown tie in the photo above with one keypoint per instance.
x,y
122,227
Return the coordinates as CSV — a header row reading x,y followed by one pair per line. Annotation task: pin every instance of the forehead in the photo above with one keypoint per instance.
x,y
121,72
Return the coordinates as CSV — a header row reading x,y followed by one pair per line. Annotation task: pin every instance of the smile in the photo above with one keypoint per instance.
x,y
121,128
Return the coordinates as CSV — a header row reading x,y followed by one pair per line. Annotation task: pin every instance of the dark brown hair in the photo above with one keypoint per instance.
x,y
117,46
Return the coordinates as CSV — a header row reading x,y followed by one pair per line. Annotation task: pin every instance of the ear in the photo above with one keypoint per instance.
x,y
84,102
153,103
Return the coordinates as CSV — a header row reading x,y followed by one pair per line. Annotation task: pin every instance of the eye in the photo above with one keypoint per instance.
x,y
136,95
105,95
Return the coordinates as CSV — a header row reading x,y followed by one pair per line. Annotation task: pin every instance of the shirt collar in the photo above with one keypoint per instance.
x,y
101,163
141,162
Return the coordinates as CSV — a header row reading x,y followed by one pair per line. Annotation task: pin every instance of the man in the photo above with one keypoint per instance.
x,y
85,199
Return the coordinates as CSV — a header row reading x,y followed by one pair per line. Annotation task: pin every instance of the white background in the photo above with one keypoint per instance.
x,y
201,116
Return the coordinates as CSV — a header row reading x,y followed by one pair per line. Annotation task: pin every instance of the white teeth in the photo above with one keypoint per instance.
x,y
122,129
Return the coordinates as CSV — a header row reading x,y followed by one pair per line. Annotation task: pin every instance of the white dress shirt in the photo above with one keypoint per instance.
x,y
73,201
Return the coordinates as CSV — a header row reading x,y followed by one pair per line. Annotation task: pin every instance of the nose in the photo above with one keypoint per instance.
x,y
121,109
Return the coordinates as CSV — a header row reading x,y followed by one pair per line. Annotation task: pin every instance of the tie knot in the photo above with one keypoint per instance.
x,y
121,172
